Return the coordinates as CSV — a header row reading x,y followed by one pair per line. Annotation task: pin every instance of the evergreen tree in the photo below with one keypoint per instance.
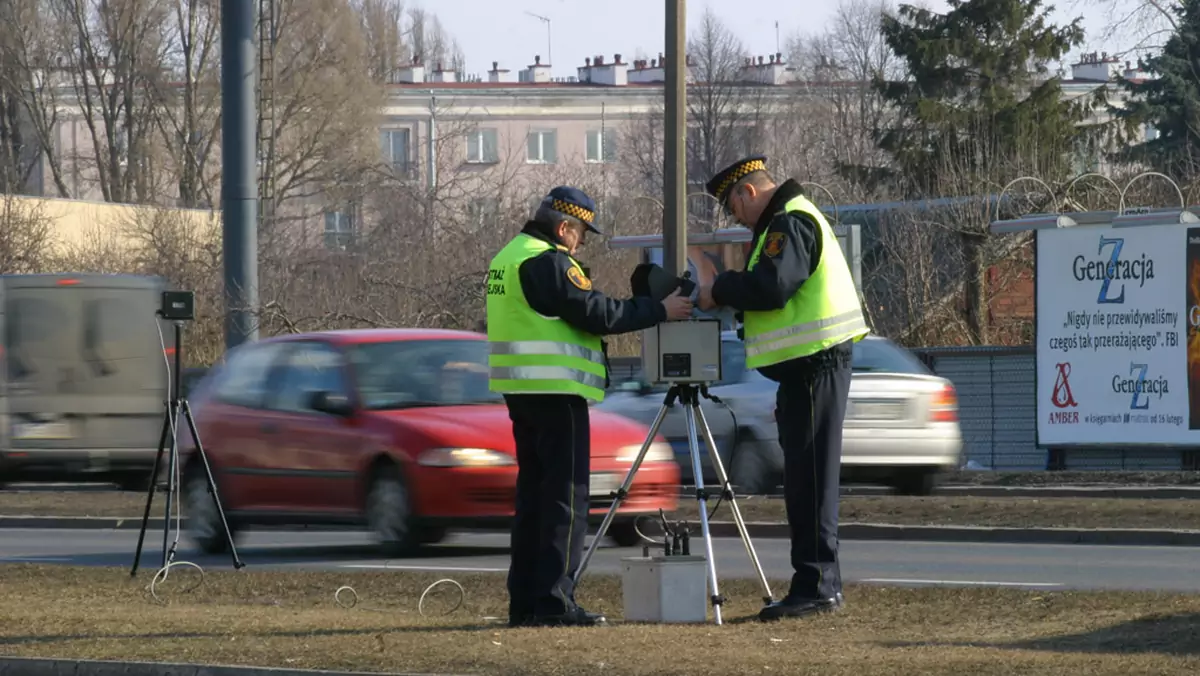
x,y
1169,102
978,106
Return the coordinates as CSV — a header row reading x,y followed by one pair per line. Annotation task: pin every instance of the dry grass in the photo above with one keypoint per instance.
x,y
935,510
290,619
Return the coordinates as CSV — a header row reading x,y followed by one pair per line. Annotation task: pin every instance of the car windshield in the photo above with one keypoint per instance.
x,y
413,373
883,356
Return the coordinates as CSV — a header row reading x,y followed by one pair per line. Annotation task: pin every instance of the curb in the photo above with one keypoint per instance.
x,y
1144,537
1064,536
1086,492
37,666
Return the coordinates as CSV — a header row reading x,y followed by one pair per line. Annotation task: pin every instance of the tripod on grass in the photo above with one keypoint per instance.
x,y
174,409
689,394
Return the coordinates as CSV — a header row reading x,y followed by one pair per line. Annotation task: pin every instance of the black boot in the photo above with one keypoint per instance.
x,y
576,617
800,607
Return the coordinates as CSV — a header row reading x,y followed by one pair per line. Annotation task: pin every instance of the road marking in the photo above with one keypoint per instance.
x,y
18,559
980,583
393,566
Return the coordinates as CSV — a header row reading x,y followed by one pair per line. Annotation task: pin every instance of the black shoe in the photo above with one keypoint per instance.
x,y
520,620
577,617
800,608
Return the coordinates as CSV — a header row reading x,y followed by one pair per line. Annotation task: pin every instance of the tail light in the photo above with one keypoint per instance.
x,y
945,405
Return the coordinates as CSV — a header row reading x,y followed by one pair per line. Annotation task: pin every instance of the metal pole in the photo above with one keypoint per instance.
x,y
675,150
239,190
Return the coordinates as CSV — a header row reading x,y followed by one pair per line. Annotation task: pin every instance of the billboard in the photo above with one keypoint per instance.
x,y
1118,354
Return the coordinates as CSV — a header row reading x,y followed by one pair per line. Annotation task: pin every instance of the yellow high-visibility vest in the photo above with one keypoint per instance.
x,y
824,312
530,353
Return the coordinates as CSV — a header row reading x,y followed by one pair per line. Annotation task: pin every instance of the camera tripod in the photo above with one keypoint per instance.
x,y
689,395
174,409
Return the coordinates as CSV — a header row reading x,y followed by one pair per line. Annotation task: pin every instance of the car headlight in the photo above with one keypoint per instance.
x,y
465,457
659,452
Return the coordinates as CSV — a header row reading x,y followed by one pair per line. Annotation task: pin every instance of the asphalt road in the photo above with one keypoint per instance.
x,y
898,563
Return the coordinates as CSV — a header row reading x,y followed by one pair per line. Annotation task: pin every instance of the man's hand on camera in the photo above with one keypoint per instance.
x,y
678,306
705,299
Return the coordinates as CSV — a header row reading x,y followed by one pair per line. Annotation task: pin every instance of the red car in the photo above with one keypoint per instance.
x,y
395,429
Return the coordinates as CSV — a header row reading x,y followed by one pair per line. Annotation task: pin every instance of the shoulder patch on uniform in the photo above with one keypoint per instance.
x,y
774,244
578,279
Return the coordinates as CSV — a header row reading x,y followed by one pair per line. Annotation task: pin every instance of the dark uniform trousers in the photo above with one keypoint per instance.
x,y
553,439
810,408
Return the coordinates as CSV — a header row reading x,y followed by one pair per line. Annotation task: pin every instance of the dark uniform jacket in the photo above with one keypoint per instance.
x,y
775,279
549,291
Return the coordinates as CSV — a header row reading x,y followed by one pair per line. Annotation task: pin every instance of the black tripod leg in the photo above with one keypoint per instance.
x,y
212,483
162,444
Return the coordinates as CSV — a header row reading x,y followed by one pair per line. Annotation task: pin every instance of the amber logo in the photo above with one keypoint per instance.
x,y
1062,397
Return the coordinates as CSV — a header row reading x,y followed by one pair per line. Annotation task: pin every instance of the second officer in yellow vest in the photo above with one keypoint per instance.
x,y
800,317
544,322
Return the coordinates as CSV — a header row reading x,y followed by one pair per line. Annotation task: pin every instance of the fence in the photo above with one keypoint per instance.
x,y
997,400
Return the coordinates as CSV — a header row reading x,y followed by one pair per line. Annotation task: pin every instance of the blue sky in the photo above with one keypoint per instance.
x,y
500,30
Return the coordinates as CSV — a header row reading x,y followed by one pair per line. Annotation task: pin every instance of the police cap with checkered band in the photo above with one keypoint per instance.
x,y
721,184
573,202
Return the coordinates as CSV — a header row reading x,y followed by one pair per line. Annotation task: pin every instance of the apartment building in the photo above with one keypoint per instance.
x,y
523,128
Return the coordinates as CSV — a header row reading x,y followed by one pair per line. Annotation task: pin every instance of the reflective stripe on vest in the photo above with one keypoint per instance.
x,y
824,312
530,353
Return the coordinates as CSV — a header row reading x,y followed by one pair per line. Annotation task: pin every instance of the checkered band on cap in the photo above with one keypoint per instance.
x,y
573,210
738,174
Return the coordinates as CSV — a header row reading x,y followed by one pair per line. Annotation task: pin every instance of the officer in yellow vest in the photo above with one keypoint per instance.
x,y
544,322
800,317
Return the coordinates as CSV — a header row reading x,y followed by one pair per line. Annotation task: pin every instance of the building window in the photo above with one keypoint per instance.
x,y
339,229
542,147
396,145
483,212
482,147
602,146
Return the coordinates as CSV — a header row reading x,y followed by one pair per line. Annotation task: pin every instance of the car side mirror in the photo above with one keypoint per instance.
x,y
332,403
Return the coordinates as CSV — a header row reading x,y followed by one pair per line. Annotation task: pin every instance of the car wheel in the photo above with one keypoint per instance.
x,y
431,535
133,482
624,534
915,482
389,512
204,526
749,471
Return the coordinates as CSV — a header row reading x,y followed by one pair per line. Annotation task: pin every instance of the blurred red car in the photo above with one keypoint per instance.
x,y
394,429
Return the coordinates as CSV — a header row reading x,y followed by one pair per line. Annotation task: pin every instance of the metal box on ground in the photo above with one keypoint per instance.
x,y
665,589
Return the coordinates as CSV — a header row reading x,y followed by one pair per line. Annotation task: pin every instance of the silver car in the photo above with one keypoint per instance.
x,y
901,426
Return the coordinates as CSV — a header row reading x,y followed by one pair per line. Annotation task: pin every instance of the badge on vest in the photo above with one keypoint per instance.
x,y
576,277
774,244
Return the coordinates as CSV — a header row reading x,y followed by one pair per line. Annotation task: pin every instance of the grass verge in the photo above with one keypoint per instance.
x,y
290,620
935,510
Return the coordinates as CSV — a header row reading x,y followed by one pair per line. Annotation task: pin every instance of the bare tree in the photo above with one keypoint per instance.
x,y
725,109
837,112
114,52
188,114
321,130
1140,25
430,43
26,236
383,26
32,77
